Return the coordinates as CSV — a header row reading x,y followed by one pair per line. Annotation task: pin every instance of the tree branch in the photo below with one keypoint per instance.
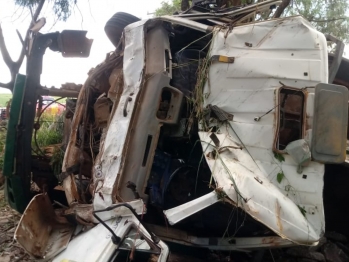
x,y
37,12
329,20
4,52
184,5
34,18
8,85
281,8
14,66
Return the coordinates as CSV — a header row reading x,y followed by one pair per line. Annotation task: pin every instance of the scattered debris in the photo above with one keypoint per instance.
x,y
10,251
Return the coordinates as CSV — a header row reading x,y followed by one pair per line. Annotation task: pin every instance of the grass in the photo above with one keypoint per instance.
x,y
4,98
2,146
51,130
50,133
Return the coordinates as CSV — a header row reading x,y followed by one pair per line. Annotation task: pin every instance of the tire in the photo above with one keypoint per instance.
x,y
116,24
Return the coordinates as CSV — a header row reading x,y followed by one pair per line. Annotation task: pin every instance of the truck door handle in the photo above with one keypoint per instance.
x,y
129,99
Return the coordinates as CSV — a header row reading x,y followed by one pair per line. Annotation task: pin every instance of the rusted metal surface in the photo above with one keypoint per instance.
x,y
71,156
58,92
102,108
218,243
40,231
75,154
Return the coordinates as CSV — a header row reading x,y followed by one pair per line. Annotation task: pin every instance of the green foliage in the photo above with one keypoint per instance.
x,y
329,17
279,157
280,176
50,135
167,8
61,8
51,130
4,98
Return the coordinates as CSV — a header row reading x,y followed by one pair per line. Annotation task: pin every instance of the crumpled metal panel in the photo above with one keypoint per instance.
x,y
111,159
96,244
289,51
40,232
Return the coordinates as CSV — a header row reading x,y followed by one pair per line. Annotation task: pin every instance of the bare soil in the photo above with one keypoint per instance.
x,y
9,249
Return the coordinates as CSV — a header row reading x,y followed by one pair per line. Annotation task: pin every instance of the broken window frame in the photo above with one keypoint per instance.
x,y
154,248
278,115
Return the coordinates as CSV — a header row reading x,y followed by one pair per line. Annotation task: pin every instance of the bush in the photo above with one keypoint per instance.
x,y
50,132
49,138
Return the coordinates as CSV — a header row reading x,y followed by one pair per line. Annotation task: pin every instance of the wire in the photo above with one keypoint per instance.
x,y
116,239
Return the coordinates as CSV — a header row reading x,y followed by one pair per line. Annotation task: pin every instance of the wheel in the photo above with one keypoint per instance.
x,y
116,24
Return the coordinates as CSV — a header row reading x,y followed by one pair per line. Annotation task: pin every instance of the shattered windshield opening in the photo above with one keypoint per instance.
x,y
291,109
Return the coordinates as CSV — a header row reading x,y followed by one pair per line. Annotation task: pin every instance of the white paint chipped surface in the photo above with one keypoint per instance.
x,y
282,51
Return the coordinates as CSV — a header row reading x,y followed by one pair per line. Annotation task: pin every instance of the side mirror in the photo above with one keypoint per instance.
x,y
329,135
73,43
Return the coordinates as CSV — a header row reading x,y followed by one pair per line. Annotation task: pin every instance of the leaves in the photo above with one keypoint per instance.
x,y
329,17
302,209
168,8
279,156
280,176
61,8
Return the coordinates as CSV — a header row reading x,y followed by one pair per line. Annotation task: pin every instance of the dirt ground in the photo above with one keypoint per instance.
x,y
9,249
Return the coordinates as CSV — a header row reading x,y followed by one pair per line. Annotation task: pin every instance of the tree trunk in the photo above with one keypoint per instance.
x,y
2,179
185,5
281,8
14,66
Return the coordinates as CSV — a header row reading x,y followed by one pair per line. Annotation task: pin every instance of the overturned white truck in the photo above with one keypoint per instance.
x,y
200,130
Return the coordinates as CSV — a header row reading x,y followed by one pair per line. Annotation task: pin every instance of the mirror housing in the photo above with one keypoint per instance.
x,y
329,135
73,43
